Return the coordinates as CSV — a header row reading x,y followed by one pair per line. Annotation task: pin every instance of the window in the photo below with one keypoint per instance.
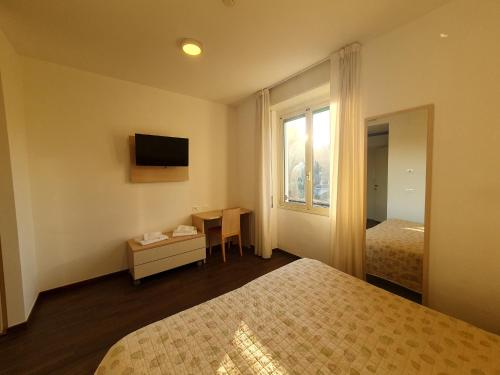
x,y
295,134
306,160
321,157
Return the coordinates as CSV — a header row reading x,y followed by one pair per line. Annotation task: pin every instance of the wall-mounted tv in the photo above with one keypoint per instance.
x,y
154,150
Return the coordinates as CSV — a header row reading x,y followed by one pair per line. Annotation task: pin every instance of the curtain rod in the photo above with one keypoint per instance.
x,y
297,73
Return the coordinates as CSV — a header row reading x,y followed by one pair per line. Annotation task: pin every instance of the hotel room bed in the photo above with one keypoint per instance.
x,y
306,318
394,252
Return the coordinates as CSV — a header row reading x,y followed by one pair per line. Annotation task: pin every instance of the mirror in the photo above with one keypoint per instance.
x,y
398,164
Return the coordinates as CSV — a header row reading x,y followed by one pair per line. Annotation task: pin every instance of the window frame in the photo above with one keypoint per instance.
x,y
306,109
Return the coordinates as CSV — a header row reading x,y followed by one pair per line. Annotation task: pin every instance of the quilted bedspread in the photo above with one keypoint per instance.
x,y
306,318
394,251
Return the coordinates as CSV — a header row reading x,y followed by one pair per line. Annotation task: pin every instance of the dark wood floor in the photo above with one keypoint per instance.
x,y
370,223
71,329
394,288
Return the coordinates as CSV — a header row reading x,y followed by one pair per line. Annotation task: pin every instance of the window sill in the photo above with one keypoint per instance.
x,y
298,208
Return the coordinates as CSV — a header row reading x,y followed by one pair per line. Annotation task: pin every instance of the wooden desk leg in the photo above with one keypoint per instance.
x,y
200,226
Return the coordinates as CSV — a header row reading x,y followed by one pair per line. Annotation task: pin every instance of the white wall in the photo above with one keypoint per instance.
x,y
8,226
407,150
308,81
460,75
245,173
16,225
84,206
304,234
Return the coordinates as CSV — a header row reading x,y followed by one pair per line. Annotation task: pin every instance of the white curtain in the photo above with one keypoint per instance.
x,y
263,223
347,218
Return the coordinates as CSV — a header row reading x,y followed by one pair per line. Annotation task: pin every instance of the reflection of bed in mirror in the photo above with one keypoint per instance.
x,y
394,252
398,160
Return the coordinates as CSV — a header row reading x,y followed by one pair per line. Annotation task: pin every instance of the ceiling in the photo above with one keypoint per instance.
x,y
246,47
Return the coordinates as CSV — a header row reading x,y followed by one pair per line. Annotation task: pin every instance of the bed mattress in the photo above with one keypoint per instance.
x,y
306,318
394,252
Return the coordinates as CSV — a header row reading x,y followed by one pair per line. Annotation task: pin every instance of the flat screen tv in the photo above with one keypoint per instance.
x,y
154,150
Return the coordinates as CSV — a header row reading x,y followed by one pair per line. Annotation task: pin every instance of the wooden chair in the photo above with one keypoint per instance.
x,y
230,228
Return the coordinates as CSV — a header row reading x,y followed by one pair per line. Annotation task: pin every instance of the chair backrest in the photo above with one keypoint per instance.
x,y
231,221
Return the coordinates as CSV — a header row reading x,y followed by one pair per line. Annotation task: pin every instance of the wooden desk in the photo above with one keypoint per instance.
x,y
203,220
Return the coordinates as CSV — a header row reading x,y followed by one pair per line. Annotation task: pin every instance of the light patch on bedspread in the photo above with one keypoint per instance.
x,y
253,351
416,229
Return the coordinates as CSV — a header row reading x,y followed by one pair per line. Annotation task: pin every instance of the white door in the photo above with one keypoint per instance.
x,y
380,186
376,192
370,182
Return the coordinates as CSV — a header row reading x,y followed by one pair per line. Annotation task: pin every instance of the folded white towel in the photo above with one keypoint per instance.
x,y
184,234
149,241
152,235
184,230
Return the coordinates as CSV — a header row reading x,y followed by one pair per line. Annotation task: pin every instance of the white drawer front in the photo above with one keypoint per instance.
x,y
150,255
164,264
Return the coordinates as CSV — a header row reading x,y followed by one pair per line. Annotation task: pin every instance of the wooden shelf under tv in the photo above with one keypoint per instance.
x,y
154,174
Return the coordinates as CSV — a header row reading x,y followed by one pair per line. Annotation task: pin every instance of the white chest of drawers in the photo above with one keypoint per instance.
x,y
164,255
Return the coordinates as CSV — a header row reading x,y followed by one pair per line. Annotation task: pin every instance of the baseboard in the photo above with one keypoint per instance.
x,y
23,325
82,282
98,278
32,307
17,327
288,252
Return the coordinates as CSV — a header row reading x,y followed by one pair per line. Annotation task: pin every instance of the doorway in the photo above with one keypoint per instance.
x,y
376,189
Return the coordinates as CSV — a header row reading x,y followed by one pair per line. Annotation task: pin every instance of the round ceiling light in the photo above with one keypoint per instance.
x,y
191,47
